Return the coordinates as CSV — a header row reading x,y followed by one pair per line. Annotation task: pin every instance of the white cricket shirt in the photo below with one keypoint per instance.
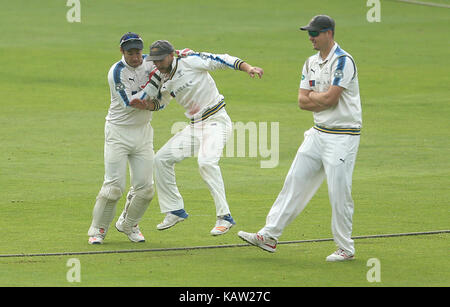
x,y
191,85
127,83
339,69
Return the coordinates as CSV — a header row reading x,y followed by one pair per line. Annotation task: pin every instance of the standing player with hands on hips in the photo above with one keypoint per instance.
x,y
329,88
187,80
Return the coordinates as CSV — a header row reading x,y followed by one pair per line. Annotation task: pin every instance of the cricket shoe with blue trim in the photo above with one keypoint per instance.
x,y
223,224
172,218
266,243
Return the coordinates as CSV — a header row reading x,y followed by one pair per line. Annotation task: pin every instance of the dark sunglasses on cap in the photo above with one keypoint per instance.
x,y
129,37
316,33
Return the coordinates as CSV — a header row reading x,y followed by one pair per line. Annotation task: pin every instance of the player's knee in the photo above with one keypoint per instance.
x,y
164,158
157,155
206,163
159,160
208,169
110,192
146,193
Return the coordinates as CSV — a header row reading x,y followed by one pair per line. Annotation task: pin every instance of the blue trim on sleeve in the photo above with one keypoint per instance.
x,y
204,56
339,51
339,70
119,86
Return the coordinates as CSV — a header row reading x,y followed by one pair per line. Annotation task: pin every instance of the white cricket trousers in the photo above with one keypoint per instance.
x,y
205,140
321,155
132,145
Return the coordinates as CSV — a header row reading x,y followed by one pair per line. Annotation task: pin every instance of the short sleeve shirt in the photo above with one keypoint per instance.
x,y
337,69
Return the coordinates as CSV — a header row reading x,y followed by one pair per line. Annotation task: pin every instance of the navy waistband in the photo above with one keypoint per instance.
x,y
350,131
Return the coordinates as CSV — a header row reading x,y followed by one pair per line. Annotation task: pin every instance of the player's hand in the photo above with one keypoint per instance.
x,y
139,104
253,71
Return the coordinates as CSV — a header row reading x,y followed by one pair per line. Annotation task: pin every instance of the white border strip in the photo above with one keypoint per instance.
x,y
216,246
426,3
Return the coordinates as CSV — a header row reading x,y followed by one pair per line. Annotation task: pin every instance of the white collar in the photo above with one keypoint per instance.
x,y
333,49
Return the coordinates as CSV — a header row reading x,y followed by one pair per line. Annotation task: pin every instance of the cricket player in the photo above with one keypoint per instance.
x,y
187,80
128,139
328,88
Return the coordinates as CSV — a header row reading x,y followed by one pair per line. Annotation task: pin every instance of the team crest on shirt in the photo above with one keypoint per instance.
x,y
338,73
120,86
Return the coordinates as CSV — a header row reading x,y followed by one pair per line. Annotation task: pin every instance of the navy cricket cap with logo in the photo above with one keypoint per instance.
x,y
319,22
131,40
159,50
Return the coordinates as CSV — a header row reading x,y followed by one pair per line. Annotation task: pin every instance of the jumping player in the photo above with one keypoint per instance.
x,y
187,80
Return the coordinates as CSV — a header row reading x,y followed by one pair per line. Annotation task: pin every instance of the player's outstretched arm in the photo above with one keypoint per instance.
x,y
251,70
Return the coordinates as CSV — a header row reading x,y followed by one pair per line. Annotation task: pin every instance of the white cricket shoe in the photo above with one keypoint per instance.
x,y
266,243
96,235
339,255
133,233
223,224
172,218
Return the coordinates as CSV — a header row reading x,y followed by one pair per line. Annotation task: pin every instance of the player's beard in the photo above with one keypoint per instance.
x,y
165,69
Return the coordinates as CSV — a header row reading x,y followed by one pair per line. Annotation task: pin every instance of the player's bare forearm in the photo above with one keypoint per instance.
x,y
306,103
318,101
251,70
327,99
143,104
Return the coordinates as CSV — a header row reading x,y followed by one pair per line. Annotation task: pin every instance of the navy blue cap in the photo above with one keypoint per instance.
x,y
131,40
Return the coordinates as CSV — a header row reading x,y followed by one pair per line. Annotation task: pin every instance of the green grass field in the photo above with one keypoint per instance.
x,y
54,98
